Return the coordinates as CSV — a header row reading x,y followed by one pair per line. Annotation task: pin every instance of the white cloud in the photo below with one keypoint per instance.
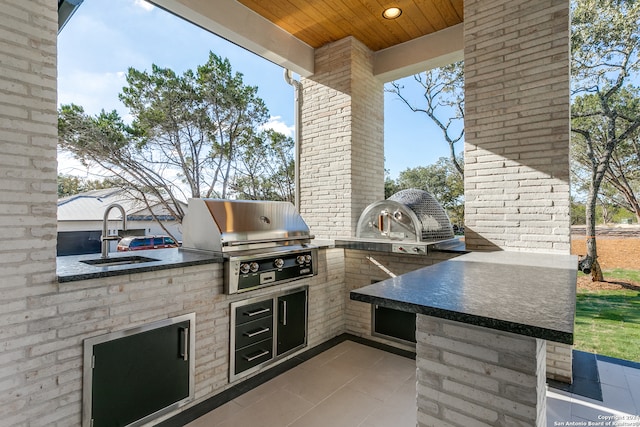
x,y
144,5
93,91
276,123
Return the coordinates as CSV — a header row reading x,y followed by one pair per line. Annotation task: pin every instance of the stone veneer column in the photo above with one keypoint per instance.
x,y
32,381
517,125
517,114
342,147
474,376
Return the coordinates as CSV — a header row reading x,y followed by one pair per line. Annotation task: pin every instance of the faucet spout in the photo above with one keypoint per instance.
x,y
105,238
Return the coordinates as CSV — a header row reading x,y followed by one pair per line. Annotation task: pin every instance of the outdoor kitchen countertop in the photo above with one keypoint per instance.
x,y
71,268
525,293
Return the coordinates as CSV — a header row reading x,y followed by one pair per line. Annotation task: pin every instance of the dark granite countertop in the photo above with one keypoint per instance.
x,y
525,293
71,268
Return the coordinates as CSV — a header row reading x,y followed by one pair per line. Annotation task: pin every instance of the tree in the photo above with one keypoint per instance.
x,y
605,42
443,89
442,180
623,174
190,135
68,185
268,169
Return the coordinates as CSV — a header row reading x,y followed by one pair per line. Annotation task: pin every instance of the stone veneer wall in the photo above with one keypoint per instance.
x,y
29,380
517,125
342,158
474,376
517,132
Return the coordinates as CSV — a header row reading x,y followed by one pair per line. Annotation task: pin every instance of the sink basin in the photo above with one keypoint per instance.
x,y
126,260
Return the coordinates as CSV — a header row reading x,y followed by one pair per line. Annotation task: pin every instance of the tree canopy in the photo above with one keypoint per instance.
x,y
199,134
440,179
605,42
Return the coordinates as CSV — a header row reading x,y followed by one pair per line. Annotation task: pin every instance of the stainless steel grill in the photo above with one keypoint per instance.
x,y
264,243
409,216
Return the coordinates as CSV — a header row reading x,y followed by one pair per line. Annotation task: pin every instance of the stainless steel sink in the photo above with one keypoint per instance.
x,y
126,260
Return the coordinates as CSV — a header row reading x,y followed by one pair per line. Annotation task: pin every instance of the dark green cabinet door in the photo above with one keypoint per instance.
x,y
292,321
138,375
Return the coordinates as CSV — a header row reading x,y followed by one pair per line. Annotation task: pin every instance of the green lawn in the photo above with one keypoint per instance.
x,y
608,322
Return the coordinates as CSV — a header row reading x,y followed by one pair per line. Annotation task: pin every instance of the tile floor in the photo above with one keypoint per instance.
x,y
353,385
620,400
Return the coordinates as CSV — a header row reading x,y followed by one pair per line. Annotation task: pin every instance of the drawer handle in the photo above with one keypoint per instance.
x,y
256,312
257,356
258,332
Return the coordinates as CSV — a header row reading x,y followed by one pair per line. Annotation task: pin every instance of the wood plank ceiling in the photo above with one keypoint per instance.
x,y
318,22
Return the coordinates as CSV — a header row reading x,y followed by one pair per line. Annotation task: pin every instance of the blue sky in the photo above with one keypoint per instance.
x,y
104,38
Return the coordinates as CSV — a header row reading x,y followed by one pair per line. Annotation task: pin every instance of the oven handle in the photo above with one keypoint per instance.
x,y
276,239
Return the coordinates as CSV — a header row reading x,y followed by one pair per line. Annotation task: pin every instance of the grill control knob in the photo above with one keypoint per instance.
x,y
300,259
244,268
254,266
278,262
307,258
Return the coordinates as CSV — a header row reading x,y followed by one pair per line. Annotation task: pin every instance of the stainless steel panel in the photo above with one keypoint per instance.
x,y
239,318
240,222
409,215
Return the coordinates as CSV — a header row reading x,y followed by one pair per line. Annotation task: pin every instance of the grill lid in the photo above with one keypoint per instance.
x,y
228,225
409,215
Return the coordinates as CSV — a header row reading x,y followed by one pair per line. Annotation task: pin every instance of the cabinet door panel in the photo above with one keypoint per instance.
x,y
137,375
292,321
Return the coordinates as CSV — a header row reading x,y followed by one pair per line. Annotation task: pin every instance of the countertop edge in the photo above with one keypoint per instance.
x,y
71,268
470,319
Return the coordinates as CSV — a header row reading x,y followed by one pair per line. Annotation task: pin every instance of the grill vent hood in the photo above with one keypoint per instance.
x,y
228,225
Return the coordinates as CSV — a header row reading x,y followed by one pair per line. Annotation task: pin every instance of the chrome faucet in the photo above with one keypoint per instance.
x,y
105,238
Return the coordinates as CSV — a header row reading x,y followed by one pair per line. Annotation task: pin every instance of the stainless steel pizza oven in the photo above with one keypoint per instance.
x,y
263,242
410,219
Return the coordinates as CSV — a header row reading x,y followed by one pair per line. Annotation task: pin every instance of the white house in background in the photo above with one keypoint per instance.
x,y
80,219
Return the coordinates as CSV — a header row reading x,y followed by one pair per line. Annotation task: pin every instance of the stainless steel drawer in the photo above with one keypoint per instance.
x,y
253,355
255,311
253,332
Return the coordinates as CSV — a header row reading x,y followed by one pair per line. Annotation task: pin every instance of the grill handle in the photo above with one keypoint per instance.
x,y
276,239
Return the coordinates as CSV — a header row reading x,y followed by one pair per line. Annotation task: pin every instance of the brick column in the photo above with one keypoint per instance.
x,y
517,132
473,376
342,147
517,125
33,385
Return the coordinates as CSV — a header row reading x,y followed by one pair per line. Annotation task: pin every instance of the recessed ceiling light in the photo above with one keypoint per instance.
x,y
392,12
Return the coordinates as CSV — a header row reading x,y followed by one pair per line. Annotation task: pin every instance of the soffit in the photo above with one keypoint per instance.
x,y
320,22
428,34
